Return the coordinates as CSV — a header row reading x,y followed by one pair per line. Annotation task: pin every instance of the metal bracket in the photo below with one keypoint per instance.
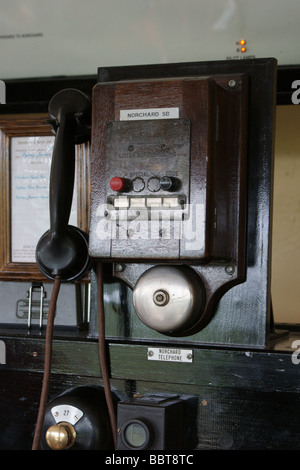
x,y
35,286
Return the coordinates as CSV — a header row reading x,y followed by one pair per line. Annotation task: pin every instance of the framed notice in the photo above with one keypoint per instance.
x,y
26,153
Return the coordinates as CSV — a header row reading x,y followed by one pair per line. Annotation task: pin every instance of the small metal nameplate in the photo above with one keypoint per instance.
x,y
153,113
170,354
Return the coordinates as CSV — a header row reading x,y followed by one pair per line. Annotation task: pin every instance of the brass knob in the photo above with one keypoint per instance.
x,y
60,436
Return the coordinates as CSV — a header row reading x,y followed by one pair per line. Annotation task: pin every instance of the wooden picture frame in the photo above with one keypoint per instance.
x,y
31,128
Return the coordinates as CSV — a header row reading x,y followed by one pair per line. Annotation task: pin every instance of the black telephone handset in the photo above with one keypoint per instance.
x,y
63,250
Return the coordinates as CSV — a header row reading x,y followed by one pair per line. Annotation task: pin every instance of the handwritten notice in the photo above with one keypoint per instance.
x,y
30,175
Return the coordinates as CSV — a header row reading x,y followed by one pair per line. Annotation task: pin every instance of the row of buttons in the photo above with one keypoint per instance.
x,y
154,184
124,202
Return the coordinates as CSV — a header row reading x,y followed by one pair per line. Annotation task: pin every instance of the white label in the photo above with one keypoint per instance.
x,y
2,353
68,413
152,113
30,171
170,355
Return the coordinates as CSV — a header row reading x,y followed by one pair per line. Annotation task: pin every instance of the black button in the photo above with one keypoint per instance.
x,y
166,183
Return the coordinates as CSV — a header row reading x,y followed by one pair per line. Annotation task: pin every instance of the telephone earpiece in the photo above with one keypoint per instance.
x,y
63,250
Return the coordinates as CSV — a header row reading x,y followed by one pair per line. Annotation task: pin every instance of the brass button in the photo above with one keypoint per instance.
x,y
60,436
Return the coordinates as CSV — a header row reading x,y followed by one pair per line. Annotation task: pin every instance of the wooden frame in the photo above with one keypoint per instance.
x,y
30,125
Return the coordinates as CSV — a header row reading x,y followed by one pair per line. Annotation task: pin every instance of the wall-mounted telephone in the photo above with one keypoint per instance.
x,y
181,162
169,192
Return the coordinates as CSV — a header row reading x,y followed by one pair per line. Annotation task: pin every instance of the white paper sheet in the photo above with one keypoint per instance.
x,y
30,173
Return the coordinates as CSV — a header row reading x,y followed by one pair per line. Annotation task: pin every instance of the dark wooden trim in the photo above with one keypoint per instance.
x,y
263,371
33,94
285,77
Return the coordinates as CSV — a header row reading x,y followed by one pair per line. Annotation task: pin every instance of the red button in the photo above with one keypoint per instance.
x,y
118,184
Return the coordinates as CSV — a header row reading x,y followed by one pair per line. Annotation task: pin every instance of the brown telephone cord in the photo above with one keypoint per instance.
x,y
47,365
48,359
102,352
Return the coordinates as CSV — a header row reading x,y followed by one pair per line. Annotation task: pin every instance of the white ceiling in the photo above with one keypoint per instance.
x,y
75,37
